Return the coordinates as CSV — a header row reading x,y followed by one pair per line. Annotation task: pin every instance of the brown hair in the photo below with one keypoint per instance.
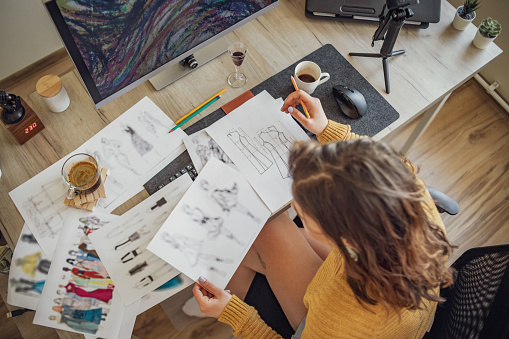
x,y
364,192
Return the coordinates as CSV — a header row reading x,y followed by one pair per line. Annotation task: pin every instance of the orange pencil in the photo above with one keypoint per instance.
x,y
303,106
197,108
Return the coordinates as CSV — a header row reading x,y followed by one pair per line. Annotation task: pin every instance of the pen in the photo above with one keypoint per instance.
x,y
194,114
197,108
303,106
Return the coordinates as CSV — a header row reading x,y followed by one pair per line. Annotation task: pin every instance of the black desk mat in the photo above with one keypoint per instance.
x,y
380,113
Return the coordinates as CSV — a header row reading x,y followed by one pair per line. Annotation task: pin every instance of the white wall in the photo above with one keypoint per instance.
x,y
498,69
27,35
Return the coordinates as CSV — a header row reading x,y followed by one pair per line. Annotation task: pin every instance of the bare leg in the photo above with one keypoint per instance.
x,y
283,254
321,249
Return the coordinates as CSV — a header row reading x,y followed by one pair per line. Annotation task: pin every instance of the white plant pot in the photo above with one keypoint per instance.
x,y
459,23
481,41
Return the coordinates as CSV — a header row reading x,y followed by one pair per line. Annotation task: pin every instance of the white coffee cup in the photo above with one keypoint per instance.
x,y
308,76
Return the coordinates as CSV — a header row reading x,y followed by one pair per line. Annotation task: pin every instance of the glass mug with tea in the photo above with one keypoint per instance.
x,y
82,174
308,76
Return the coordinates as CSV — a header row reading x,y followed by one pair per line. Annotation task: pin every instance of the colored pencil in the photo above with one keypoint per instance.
x,y
195,113
197,108
303,106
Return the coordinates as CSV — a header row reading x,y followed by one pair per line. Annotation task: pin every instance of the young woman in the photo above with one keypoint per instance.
x,y
373,254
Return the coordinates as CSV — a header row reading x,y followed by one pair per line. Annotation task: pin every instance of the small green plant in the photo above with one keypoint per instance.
x,y
490,28
469,8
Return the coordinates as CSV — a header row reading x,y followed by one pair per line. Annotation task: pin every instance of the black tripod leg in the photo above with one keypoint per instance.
x,y
385,64
369,55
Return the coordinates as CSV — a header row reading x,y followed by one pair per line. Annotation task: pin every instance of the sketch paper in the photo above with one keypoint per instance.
x,y
78,295
122,244
201,147
130,147
213,226
164,291
29,268
258,137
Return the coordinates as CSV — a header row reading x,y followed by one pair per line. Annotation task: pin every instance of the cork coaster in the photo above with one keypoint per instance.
x,y
89,201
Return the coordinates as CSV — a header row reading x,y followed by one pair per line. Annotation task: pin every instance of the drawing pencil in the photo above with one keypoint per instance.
x,y
303,106
197,108
194,114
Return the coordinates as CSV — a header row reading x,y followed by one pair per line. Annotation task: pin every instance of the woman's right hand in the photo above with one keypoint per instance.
x,y
317,120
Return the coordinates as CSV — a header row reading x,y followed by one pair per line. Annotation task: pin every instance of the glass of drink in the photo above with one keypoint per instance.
x,y
238,51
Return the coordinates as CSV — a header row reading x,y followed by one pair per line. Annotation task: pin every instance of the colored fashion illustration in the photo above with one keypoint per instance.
x,y
227,198
33,263
213,225
259,160
26,286
192,250
278,145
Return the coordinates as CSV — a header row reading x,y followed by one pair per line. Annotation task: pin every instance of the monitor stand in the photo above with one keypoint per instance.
x,y
177,71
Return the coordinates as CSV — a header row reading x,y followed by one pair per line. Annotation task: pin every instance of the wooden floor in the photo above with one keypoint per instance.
x,y
464,153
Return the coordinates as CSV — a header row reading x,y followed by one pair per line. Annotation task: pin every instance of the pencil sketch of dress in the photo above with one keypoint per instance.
x,y
112,149
278,145
192,250
213,225
150,122
227,198
140,145
255,156
37,206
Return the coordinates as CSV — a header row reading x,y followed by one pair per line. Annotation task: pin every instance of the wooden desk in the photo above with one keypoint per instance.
x,y
437,61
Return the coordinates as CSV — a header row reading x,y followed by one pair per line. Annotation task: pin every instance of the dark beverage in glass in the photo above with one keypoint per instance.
x,y
237,52
238,58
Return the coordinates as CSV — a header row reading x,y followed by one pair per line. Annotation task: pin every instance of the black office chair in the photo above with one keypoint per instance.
x,y
261,297
477,304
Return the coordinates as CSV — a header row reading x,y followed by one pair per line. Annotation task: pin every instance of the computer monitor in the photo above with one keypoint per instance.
x,y
117,45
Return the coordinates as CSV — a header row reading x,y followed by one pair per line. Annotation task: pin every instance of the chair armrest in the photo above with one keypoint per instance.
x,y
443,202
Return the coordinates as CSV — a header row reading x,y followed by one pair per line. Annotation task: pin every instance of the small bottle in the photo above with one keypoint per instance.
x,y
53,93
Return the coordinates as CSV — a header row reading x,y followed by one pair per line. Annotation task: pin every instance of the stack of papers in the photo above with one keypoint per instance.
x,y
106,269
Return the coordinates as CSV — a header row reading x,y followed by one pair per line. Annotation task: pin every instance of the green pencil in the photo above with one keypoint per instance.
x,y
195,113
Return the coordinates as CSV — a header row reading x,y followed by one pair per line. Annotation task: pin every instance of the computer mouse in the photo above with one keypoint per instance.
x,y
350,101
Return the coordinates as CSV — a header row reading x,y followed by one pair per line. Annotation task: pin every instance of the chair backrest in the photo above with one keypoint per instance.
x,y
477,304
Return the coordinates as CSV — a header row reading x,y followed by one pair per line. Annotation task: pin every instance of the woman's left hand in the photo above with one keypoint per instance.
x,y
212,299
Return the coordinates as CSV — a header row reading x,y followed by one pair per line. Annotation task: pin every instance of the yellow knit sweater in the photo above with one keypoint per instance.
x,y
333,310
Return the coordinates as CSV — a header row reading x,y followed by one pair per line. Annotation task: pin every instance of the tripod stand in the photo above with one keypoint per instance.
x,y
390,24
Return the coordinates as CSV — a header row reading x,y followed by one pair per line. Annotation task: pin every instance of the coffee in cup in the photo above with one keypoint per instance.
x,y
308,76
82,173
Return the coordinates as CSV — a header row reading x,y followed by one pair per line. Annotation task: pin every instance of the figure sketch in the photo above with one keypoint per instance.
x,y
278,145
210,149
192,250
260,162
141,145
213,225
112,150
45,208
227,198
149,122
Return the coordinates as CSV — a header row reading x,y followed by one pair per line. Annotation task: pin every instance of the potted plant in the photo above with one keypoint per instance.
x,y
465,14
487,32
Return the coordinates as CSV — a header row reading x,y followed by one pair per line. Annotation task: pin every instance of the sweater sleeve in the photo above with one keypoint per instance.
x,y
337,132
245,321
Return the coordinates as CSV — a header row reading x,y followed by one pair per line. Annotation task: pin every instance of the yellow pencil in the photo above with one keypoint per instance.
x,y
197,108
303,106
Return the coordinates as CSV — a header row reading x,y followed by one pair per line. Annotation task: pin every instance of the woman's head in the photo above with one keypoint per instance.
x,y
362,193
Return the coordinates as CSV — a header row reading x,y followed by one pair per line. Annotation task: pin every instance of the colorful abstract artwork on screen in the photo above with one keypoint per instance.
x,y
122,41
